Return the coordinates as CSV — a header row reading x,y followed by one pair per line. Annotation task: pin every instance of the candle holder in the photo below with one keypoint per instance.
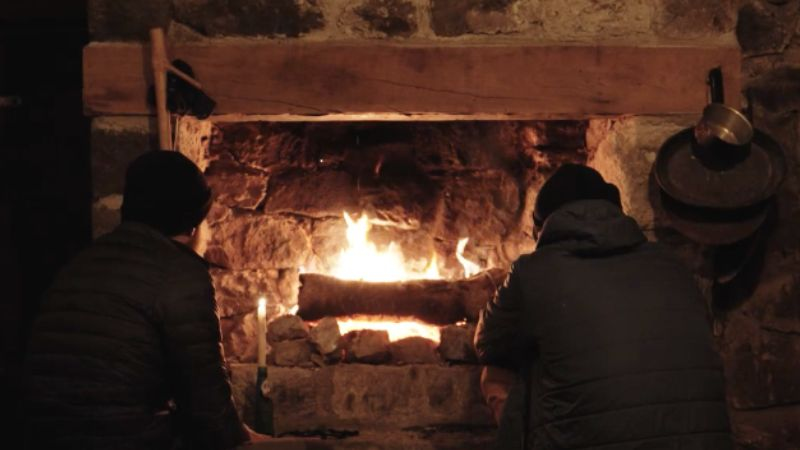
x,y
263,406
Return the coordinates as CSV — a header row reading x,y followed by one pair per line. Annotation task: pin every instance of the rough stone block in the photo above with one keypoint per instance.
x,y
126,20
367,346
764,28
235,185
557,134
289,18
193,137
237,292
105,214
770,428
761,364
326,336
414,350
368,397
378,18
778,90
495,193
262,145
682,19
624,151
292,353
258,242
456,344
116,141
243,389
285,328
239,337
458,17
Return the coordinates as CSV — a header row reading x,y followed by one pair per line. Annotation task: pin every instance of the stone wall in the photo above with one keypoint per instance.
x,y
759,337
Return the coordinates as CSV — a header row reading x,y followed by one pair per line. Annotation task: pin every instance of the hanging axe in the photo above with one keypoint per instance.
x,y
200,104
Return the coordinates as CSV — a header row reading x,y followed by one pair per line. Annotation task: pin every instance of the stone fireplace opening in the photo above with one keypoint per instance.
x,y
375,245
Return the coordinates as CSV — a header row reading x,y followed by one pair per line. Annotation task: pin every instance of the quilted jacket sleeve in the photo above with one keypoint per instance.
x,y
197,371
497,340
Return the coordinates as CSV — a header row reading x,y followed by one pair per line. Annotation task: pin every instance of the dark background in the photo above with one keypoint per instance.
x,y
45,184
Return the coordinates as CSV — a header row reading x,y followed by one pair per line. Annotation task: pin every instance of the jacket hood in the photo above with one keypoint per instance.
x,y
590,228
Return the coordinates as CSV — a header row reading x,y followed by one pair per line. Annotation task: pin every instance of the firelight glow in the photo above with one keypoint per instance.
x,y
398,328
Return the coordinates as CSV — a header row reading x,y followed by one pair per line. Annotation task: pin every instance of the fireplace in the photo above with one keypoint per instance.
x,y
375,245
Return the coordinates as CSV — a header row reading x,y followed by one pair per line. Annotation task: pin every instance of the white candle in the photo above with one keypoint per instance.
x,y
262,332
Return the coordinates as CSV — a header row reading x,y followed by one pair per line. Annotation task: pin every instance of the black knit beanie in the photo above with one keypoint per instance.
x,y
165,190
569,183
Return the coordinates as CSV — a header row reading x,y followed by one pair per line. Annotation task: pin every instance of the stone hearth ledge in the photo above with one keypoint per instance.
x,y
366,397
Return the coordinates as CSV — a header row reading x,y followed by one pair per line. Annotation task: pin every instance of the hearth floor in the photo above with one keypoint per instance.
x,y
390,440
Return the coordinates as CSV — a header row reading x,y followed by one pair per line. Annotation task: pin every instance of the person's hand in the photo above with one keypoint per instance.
x,y
256,437
495,386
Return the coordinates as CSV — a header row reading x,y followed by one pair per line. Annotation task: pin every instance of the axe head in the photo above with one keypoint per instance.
x,y
182,97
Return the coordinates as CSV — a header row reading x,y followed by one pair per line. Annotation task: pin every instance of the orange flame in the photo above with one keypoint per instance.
x,y
363,260
397,327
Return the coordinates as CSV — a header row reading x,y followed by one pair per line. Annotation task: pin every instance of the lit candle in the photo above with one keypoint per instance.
x,y
262,332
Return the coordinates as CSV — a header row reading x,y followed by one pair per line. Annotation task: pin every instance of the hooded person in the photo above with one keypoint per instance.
x,y
607,332
126,350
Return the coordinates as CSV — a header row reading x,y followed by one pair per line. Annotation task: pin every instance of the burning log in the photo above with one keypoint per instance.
x,y
437,302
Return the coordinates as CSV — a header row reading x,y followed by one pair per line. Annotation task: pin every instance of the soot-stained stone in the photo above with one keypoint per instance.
x,y
390,17
239,337
289,18
457,17
687,18
315,194
258,242
326,336
291,353
285,328
235,185
125,20
456,344
764,29
367,346
413,350
263,145
463,146
494,193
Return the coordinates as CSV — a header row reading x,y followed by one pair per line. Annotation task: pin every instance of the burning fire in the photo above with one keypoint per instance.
x,y
363,260
398,328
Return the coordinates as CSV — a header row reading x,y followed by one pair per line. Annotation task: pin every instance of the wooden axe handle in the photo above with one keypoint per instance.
x,y
158,54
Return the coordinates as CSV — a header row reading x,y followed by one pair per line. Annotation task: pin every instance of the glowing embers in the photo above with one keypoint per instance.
x,y
363,260
397,327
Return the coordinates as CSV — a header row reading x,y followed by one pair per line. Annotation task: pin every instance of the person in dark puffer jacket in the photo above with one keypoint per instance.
x,y
126,351
608,331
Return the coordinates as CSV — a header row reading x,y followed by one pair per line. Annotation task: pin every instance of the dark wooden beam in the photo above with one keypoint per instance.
x,y
498,81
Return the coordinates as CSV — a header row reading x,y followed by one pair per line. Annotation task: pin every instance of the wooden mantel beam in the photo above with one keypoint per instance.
x,y
503,81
